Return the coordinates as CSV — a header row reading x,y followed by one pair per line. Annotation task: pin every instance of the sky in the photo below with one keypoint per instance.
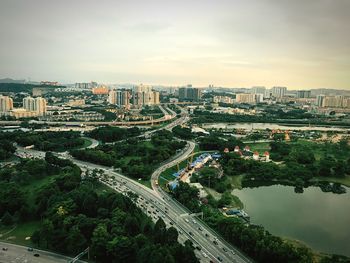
x,y
229,43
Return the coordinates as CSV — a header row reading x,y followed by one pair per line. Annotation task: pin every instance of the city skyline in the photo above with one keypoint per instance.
x,y
229,44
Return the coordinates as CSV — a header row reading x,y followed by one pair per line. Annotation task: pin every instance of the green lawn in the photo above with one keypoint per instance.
x,y
35,185
19,233
260,147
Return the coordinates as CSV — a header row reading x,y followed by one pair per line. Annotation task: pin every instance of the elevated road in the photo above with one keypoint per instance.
x,y
158,204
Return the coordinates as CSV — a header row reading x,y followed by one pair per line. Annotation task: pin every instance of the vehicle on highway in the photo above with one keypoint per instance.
x,y
36,255
187,220
224,249
205,255
30,249
190,233
215,243
4,248
198,248
220,259
200,229
206,234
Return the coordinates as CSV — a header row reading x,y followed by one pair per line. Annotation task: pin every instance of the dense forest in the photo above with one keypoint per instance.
x,y
136,157
269,116
18,87
46,141
112,134
75,215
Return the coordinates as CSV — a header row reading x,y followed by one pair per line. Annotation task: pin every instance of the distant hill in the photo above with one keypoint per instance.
x,y
18,87
8,80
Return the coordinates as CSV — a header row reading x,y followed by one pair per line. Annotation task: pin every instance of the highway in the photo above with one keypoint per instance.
x,y
158,204
20,254
173,214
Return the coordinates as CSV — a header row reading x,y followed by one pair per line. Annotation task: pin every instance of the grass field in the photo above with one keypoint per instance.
x,y
260,147
19,234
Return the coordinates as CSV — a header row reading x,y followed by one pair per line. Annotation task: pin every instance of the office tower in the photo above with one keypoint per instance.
x,y
303,94
245,98
6,103
279,92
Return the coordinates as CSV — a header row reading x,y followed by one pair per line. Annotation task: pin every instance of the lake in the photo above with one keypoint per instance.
x,y
320,220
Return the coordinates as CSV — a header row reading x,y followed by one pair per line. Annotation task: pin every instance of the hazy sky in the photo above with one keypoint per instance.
x,y
234,43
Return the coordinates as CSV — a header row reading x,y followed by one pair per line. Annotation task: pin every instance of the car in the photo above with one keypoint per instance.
x,y
205,255
30,249
233,253
198,248
215,243
171,223
4,248
200,229
194,221
220,259
36,255
206,234
224,249
187,220
190,233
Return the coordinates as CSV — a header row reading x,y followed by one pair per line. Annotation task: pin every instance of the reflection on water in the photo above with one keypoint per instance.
x,y
272,126
321,220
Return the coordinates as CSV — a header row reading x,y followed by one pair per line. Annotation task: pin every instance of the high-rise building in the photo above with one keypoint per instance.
x,y
29,104
258,90
6,103
37,105
319,100
144,95
122,98
279,92
40,106
245,98
303,94
112,97
189,94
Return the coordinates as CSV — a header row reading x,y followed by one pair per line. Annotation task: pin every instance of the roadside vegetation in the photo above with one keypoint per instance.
x,y
136,157
113,134
61,212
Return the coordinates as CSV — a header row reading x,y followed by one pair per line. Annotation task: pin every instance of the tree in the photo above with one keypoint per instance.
x,y
7,219
75,241
99,240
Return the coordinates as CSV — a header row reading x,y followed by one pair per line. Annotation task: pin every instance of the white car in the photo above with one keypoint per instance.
x,y
204,255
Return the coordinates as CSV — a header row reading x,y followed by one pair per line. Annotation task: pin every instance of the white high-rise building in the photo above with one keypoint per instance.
x,y
29,104
112,97
40,106
144,95
37,105
6,103
279,92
